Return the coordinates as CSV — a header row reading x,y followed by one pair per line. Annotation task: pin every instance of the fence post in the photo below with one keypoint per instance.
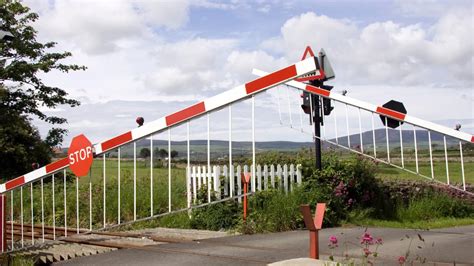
x,y
3,217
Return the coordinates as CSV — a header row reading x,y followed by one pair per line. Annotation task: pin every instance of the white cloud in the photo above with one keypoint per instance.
x,y
383,52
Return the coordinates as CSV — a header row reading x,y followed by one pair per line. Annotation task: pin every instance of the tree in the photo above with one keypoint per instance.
x,y
23,93
145,153
163,153
173,154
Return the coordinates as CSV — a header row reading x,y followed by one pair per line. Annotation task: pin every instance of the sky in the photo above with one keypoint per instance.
x,y
151,58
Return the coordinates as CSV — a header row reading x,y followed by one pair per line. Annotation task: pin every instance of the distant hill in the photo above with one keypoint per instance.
x,y
220,148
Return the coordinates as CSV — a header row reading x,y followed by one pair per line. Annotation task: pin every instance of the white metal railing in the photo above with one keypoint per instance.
x,y
451,164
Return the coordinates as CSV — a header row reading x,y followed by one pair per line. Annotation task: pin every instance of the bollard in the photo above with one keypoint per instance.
x,y
245,180
313,226
3,231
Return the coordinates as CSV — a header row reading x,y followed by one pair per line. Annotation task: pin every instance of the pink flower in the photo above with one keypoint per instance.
x,y
367,239
333,240
401,260
379,241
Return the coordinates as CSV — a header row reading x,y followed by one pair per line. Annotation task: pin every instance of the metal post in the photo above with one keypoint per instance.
x,y
134,181
42,210
231,170
317,131
118,185
77,205
151,175
3,215
65,204
169,169
253,143
32,215
188,167
208,159
104,192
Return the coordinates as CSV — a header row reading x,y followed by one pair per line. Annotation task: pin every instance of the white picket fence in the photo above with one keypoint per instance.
x,y
227,183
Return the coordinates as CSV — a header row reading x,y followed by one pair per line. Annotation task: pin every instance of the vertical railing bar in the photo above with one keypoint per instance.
x,y
104,191
278,100
77,205
289,105
401,143
462,167
32,215
446,159
188,167
416,149
311,115
118,185
431,154
373,136
388,142
42,210
21,214
54,208
347,126
253,143
335,124
231,174
301,119
360,132
11,220
169,169
90,200
208,158
151,175
134,181
65,201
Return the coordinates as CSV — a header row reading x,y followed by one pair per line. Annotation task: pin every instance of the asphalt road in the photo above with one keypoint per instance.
x,y
440,247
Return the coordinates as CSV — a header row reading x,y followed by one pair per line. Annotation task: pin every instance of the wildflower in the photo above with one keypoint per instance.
x,y
401,260
379,241
333,240
367,239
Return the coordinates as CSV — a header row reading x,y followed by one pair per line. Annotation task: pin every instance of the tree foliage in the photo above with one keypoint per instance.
x,y
23,93
145,153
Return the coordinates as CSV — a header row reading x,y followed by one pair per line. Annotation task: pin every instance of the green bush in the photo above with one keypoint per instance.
x,y
219,216
273,211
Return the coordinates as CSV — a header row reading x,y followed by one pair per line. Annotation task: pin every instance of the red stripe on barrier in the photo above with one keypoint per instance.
x,y
318,91
114,142
472,139
185,113
15,182
57,165
270,79
389,112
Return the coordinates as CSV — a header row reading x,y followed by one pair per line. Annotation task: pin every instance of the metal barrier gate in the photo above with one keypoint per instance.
x,y
53,201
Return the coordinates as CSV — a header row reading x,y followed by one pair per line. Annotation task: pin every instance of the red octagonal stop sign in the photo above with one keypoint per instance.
x,y
80,155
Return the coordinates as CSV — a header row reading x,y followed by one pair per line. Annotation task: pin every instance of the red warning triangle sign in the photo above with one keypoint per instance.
x,y
306,52
315,75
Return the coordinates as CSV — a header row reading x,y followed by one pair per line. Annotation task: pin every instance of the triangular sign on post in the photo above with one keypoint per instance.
x,y
307,51
316,75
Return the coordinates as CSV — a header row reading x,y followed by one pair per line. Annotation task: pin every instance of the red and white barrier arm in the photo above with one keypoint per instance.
x,y
214,103
377,109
